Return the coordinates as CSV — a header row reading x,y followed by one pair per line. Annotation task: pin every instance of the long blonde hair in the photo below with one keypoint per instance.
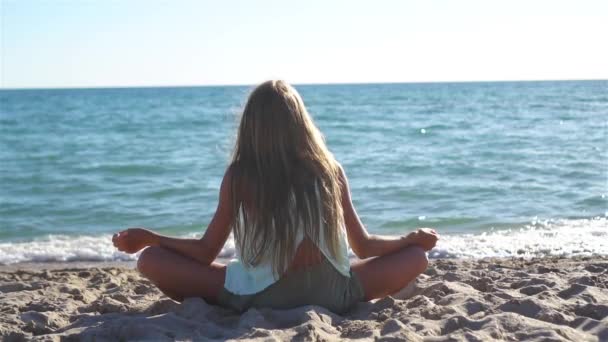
x,y
283,178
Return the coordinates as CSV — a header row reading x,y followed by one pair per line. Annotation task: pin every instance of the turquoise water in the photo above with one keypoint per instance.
x,y
500,168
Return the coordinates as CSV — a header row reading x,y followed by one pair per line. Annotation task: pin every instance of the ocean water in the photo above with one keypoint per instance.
x,y
500,169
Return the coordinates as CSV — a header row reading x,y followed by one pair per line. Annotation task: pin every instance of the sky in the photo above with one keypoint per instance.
x,y
87,43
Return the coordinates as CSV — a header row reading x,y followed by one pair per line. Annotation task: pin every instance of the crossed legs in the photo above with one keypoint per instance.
x,y
387,274
180,277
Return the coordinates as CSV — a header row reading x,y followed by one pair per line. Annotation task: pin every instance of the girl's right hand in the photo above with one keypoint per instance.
x,y
133,240
425,238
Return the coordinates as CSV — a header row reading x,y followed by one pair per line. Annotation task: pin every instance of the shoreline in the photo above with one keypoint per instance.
x,y
564,299
559,237
131,264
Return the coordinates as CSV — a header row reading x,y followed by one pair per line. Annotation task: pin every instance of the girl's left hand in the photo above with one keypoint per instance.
x,y
133,240
425,238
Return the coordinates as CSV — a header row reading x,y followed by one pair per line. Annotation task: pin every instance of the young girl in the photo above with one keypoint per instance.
x,y
287,201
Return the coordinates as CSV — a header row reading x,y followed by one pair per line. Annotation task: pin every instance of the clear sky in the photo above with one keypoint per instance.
x,y
82,43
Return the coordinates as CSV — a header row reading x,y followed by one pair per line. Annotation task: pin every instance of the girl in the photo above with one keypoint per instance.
x,y
287,201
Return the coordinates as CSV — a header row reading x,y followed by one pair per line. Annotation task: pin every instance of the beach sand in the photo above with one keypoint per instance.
x,y
554,299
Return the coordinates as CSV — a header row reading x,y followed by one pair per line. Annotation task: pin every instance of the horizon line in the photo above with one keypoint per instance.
x,y
295,84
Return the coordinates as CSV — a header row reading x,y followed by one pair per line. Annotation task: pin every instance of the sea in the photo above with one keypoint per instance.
x,y
500,169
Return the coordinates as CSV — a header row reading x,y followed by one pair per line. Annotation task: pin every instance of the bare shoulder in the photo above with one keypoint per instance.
x,y
235,185
230,171
229,176
226,187
342,178
340,167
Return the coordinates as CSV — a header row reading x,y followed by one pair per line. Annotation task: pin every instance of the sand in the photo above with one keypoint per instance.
x,y
550,299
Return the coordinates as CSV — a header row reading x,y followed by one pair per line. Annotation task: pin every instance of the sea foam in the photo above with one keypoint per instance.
x,y
574,237
538,239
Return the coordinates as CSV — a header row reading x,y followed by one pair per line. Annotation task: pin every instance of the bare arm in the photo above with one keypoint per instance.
x,y
367,245
204,250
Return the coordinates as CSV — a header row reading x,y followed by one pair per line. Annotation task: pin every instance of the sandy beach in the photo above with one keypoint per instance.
x,y
549,299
